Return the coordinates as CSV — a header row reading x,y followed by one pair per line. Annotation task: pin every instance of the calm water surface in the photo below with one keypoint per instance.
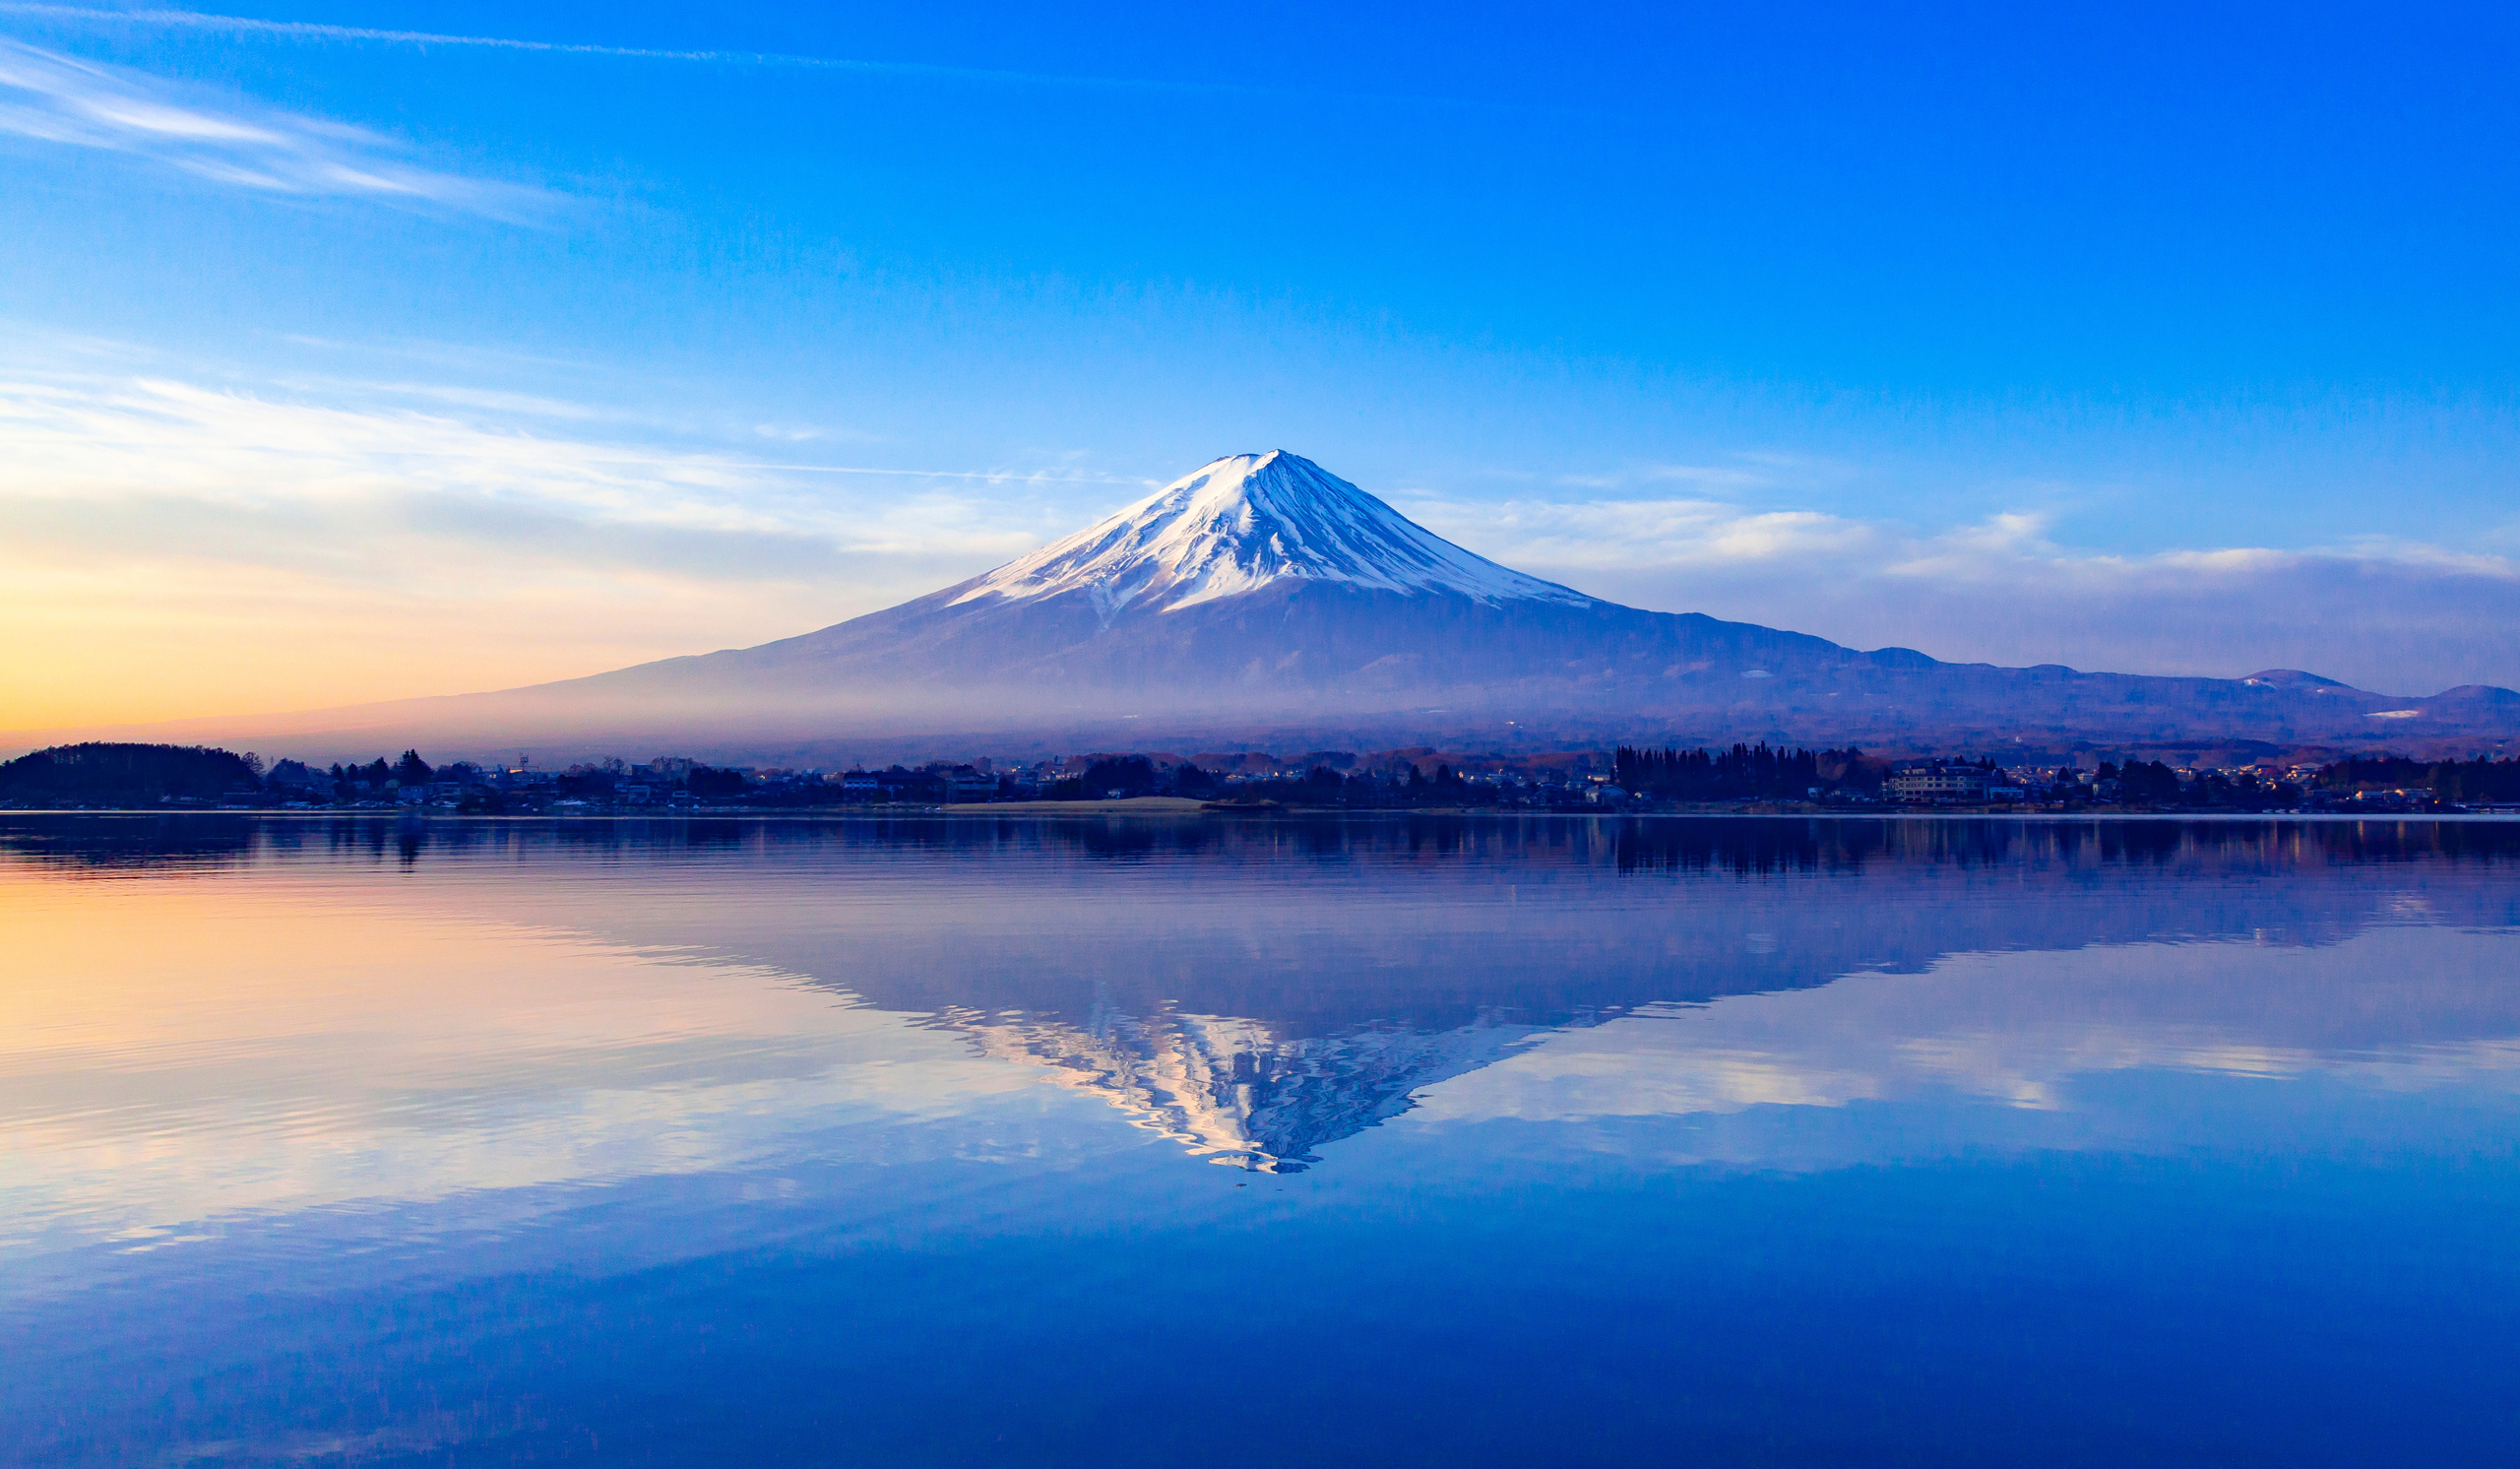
x,y
1404,1142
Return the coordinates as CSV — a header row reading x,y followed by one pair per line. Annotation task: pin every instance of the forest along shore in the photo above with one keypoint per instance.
x,y
1748,779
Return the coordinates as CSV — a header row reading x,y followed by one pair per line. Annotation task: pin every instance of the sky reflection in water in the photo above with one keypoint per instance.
x,y
1792,1142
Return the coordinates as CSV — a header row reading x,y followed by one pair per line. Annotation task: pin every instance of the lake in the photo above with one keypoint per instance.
x,y
1408,1141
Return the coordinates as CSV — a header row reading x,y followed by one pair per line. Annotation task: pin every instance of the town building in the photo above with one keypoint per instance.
x,y
1944,785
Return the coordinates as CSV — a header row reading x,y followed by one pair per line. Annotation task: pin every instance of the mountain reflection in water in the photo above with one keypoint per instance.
x,y
1257,990
1263,1074
1231,1090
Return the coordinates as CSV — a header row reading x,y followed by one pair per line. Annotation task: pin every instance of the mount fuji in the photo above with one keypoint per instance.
x,y
1261,591
1257,587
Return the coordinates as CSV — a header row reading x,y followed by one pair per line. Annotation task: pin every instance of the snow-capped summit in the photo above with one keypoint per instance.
x,y
1245,521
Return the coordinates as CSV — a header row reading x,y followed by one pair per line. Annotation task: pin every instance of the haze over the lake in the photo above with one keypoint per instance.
x,y
371,352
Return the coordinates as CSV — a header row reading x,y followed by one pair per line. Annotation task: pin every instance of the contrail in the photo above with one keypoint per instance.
x,y
308,30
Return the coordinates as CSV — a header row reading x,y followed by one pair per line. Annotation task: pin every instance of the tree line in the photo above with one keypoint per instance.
x,y
98,773
2482,778
106,773
1746,770
1136,775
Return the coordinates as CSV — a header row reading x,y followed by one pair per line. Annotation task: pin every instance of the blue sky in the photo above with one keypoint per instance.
x,y
343,363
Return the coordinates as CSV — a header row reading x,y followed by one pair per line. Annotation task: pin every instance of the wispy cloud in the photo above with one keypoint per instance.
x,y
1743,471
522,404
50,98
1633,533
94,439
2397,616
316,31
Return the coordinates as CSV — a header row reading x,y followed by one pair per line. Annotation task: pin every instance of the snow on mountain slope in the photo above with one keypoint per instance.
x,y
1243,522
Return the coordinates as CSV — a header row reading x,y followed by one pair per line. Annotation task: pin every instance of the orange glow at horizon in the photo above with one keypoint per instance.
x,y
151,643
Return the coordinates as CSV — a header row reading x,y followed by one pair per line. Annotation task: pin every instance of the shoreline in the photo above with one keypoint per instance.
x,y
1172,808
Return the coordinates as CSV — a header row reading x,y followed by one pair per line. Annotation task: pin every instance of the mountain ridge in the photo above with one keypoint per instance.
x,y
1261,585
1260,591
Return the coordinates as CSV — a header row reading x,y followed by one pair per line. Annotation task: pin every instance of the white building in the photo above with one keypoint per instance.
x,y
1943,784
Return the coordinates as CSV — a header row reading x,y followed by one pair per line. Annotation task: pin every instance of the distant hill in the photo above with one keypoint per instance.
x,y
102,774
